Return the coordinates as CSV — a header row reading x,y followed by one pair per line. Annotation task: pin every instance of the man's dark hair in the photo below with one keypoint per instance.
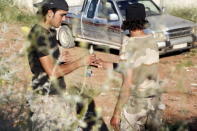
x,y
134,24
43,11
53,5
135,17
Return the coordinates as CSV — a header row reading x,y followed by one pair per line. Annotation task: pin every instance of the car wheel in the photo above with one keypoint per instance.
x,y
65,37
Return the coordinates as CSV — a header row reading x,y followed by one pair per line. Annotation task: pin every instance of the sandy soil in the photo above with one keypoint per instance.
x,y
178,71
179,84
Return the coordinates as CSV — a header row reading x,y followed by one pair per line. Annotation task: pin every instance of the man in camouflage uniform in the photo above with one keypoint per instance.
x,y
137,107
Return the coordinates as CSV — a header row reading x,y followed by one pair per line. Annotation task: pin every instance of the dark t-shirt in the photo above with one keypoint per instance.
x,y
43,43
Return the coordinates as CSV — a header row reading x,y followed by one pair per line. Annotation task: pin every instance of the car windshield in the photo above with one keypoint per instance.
x,y
151,8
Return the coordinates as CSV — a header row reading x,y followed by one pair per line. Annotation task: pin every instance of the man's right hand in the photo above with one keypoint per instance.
x,y
104,64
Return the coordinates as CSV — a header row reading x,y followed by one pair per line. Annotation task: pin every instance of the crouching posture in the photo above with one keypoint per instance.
x,y
137,107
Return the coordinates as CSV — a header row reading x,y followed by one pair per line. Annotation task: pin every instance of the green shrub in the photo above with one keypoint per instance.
x,y
11,14
186,13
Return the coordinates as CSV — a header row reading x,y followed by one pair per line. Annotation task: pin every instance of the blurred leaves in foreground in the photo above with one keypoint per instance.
x,y
12,14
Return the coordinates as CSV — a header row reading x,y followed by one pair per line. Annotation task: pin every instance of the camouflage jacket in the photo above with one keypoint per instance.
x,y
142,56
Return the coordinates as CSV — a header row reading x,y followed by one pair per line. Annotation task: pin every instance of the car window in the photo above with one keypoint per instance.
x,y
84,5
105,9
92,8
151,8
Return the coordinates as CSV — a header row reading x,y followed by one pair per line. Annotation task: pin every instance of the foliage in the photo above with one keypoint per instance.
x,y
185,63
13,106
11,14
13,110
193,52
186,13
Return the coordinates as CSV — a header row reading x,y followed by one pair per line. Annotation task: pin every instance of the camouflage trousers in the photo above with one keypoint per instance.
x,y
141,114
52,112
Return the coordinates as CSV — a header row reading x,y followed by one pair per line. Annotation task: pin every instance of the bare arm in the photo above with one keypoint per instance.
x,y
122,99
124,92
51,69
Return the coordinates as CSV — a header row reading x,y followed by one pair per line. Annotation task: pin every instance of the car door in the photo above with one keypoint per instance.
x,y
108,29
87,22
114,25
101,23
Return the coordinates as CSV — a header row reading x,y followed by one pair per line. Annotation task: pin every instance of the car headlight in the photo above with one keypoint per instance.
x,y
161,44
160,36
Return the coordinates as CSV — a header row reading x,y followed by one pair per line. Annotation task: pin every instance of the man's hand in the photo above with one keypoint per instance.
x,y
103,64
66,57
115,122
88,60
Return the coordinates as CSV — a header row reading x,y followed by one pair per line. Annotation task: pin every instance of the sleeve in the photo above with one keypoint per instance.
x,y
126,57
42,48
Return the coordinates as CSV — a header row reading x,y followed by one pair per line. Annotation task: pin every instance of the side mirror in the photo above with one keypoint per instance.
x,y
163,9
113,17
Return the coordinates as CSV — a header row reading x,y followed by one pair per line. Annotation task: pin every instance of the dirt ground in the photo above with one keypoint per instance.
x,y
179,82
178,73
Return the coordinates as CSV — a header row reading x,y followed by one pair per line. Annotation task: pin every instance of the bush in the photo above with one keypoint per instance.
x,y
186,13
11,14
